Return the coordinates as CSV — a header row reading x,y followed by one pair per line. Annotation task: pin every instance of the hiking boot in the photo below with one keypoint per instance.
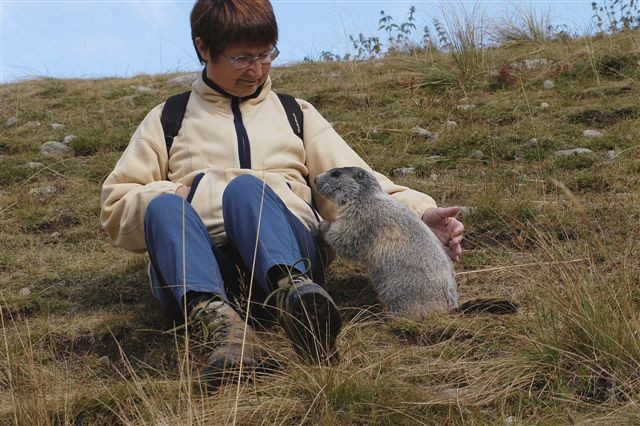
x,y
220,332
310,319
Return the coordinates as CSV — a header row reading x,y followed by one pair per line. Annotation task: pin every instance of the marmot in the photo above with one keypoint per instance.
x,y
411,273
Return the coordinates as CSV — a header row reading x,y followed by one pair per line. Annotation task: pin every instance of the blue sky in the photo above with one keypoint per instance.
x,y
89,39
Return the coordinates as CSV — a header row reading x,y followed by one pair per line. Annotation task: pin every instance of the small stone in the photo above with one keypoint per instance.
x,y
33,165
11,121
477,155
57,126
467,210
183,80
403,171
609,155
104,360
55,149
574,151
531,64
465,107
452,393
143,89
548,85
44,191
433,177
33,124
592,134
24,292
511,420
68,139
424,133
544,105
531,143
54,235
450,124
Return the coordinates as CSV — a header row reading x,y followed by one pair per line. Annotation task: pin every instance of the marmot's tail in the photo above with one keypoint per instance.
x,y
488,306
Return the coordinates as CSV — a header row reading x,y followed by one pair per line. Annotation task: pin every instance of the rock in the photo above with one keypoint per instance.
x,y
609,155
68,139
44,191
424,133
544,105
548,85
511,420
433,177
467,210
450,124
403,171
477,155
531,143
531,64
33,165
143,89
452,393
184,80
465,107
11,121
33,124
104,360
54,235
55,149
24,292
592,134
574,151
57,126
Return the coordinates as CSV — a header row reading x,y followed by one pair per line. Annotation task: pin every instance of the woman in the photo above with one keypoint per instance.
x,y
231,204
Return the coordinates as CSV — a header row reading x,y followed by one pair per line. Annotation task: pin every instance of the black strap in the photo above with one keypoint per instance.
x,y
172,115
294,113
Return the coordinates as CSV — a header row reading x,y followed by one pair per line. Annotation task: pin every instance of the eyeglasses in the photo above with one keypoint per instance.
x,y
242,62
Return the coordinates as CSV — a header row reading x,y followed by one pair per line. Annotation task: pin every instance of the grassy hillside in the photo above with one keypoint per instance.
x,y
83,342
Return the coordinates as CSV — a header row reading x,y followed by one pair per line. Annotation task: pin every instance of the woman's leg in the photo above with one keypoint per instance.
x,y
282,239
281,252
179,247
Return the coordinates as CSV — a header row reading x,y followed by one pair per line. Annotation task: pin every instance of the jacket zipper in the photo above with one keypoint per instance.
x,y
244,149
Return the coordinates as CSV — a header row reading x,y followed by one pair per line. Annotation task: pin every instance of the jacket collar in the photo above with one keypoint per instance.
x,y
211,92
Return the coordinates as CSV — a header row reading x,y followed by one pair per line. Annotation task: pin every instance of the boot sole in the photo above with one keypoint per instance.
x,y
312,323
223,371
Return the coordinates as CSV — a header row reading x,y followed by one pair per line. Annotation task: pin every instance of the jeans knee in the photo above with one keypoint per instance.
x,y
241,186
162,204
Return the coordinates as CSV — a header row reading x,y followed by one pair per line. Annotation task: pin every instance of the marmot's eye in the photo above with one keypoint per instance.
x,y
335,174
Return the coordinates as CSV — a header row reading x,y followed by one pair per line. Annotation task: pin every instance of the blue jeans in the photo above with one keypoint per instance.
x,y
184,259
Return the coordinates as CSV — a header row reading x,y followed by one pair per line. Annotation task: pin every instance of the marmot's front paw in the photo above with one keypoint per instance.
x,y
323,228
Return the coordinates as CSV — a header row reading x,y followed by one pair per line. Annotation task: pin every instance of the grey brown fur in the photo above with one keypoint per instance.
x,y
411,273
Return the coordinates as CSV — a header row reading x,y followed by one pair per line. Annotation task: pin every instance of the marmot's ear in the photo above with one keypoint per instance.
x,y
359,175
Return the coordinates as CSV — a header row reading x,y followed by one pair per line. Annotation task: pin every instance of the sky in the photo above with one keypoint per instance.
x,y
123,38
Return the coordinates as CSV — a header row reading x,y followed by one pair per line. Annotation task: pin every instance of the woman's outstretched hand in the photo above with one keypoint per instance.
x,y
447,228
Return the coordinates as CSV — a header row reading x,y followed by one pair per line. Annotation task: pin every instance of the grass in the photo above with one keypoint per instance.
x,y
558,235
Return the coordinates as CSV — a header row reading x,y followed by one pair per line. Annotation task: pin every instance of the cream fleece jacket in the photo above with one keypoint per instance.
x,y
209,142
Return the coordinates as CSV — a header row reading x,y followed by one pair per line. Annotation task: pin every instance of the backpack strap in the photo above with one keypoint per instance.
x,y
172,115
294,113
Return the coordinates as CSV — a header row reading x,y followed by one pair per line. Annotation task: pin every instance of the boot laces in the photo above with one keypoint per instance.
x,y
211,325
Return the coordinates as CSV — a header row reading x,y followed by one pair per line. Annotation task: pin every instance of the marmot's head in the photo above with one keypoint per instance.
x,y
347,184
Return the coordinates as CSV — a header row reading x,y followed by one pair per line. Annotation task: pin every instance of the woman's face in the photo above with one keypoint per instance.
x,y
237,82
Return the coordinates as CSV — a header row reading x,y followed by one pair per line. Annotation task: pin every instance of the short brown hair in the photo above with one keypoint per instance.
x,y
221,23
